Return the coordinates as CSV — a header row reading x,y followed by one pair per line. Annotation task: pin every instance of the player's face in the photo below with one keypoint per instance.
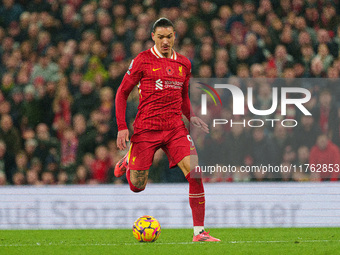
x,y
164,38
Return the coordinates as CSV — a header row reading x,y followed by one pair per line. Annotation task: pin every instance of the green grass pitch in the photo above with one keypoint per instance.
x,y
172,241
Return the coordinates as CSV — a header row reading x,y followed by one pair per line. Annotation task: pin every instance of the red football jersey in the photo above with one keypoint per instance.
x,y
163,85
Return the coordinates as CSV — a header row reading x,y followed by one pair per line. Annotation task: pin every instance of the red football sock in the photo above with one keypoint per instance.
x,y
196,200
132,187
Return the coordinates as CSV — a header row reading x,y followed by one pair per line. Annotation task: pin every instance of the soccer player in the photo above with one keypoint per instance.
x,y
162,77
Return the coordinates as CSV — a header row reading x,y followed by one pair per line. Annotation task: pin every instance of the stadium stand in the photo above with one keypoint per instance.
x,y
61,63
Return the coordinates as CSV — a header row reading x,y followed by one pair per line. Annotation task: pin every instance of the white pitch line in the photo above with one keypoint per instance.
x,y
181,243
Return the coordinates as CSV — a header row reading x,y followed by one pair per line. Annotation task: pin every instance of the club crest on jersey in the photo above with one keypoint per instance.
x,y
169,70
180,69
133,160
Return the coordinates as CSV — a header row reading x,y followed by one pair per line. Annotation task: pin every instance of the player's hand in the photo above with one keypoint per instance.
x,y
196,121
122,138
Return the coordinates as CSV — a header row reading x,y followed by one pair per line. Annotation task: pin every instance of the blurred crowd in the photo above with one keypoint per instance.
x,y
61,62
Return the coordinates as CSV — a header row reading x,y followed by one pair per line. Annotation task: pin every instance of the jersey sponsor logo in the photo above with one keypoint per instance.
x,y
173,84
180,70
169,70
159,84
155,69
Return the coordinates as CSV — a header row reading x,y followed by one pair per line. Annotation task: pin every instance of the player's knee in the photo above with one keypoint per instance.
x,y
193,163
137,186
135,189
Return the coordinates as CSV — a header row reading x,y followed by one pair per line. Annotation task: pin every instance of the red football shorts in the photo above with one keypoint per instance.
x,y
176,144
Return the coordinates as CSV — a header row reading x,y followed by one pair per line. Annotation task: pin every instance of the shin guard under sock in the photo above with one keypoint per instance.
x,y
196,200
